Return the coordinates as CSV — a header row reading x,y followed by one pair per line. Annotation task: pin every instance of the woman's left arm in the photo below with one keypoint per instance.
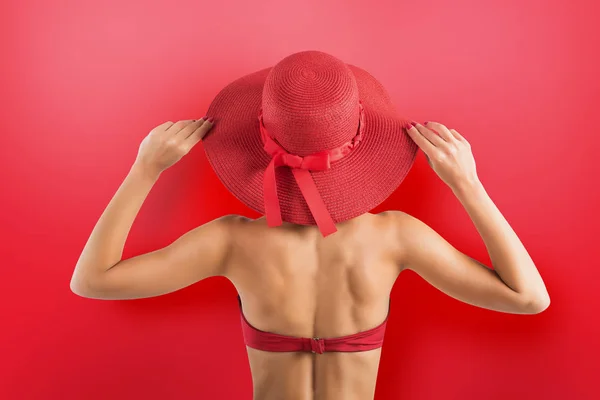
x,y
100,272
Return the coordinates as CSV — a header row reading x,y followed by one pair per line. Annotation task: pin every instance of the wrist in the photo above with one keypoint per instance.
x,y
145,172
468,188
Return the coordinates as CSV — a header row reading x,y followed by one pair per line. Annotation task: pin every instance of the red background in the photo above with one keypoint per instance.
x,y
82,83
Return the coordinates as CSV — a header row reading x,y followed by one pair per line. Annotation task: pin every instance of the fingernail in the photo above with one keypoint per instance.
x,y
204,118
425,123
211,119
413,123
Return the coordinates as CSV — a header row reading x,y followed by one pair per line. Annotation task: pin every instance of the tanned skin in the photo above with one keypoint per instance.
x,y
292,281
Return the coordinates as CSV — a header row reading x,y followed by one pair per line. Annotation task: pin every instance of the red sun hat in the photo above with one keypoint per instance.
x,y
311,140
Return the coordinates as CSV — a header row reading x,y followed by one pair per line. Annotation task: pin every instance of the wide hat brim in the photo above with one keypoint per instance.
x,y
352,186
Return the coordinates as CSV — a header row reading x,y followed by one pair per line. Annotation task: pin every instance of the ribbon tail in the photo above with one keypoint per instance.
x,y
315,202
271,201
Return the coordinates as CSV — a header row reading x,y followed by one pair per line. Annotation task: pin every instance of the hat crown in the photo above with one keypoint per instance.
x,y
310,103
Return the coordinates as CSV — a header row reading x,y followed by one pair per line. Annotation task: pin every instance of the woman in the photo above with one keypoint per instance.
x,y
313,143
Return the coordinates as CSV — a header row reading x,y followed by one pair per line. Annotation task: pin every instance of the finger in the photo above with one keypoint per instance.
x,y
189,129
457,135
162,127
440,129
431,135
421,141
179,125
199,133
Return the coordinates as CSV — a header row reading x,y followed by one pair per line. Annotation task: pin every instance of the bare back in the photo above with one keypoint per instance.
x,y
292,281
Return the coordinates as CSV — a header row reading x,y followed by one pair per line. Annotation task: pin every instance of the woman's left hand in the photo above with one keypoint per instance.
x,y
169,142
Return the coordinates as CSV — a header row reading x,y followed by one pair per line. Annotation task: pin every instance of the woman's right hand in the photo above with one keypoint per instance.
x,y
448,153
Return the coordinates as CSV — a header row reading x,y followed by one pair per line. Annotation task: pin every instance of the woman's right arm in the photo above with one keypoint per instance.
x,y
514,285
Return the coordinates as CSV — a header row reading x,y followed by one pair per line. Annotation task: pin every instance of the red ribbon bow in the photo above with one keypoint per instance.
x,y
300,168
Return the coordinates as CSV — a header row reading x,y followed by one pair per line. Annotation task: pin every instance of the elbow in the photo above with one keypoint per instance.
x,y
82,287
91,286
537,304
77,288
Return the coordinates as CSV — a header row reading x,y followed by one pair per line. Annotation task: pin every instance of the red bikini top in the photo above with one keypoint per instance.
x,y
361,341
